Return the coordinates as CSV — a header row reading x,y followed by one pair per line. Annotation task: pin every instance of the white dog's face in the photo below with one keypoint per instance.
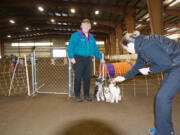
x,y
112,82
107,94
99,81
106,90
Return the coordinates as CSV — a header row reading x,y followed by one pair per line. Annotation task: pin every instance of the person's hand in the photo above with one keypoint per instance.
x,y
102,61
119,79
73,61
144,71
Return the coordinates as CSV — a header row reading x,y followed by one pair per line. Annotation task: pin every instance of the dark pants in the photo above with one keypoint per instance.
x,y
168,90
82,69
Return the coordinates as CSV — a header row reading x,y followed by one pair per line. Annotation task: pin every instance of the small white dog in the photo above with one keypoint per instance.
x,y
107,94
99,89
112,93
115,90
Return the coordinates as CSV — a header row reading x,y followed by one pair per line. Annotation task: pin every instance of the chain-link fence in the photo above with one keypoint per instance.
x,y
138,85
5,75
51,75
142,85
13,76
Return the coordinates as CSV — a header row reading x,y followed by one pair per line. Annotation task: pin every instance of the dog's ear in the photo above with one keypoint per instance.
x,y
111,81
108,80
97,79
114,82
106,83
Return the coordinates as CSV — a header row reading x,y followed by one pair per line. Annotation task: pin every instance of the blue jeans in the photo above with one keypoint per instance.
x,y
168,90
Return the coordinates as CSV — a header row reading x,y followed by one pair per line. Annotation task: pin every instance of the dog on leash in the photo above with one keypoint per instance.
x,y
107,94
98,94
112,92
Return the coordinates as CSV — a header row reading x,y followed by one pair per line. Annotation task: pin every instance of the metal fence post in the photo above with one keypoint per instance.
x,y
70,79
32,68
35,75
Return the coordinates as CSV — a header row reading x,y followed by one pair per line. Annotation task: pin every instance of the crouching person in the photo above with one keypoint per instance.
x,y
163,54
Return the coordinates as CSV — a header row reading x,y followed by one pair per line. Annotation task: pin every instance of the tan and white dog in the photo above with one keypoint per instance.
x,y
112,92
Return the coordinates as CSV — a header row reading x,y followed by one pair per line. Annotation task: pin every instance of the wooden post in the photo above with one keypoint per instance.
x,y
119,35
155,10
2,48
130,21
113,42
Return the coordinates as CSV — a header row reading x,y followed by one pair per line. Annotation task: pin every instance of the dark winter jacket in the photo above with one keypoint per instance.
x,y
160,52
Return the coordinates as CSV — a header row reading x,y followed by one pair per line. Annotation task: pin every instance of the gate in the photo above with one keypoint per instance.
x,y
51,73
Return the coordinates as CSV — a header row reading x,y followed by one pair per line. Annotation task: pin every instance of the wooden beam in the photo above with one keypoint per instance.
x,y
165,25
113,42
173,12
130,21
58,18
49,36
49,31
172,25
7,30
12,29
104,7
41,34
119,35
108,46
156,16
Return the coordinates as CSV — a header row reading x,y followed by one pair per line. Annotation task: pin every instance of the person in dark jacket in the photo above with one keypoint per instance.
x,y
163,55
81,48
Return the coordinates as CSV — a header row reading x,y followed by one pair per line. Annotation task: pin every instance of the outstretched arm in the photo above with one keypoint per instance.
x,y
140,63
134,71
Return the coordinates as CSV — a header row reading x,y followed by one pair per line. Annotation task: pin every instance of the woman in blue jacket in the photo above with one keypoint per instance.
x,y
81,48
163,55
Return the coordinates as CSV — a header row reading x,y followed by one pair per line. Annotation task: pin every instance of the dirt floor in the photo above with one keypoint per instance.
x,y
60,115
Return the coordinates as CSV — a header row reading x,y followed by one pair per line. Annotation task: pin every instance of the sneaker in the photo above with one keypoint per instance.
x,y
152,131
88,99
78,99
